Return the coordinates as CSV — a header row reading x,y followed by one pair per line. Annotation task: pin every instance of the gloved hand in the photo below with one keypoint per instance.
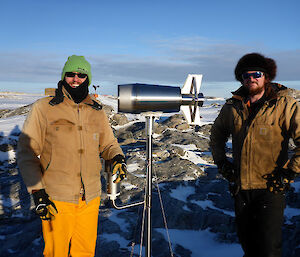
x,y
119,167
44,207
226,169
279,180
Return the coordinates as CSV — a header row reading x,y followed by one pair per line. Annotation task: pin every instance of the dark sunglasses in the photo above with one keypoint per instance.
x,y
72,75
255,75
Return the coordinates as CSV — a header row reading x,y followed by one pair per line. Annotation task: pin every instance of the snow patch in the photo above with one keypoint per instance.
x,y
5,156
202,243
181,193
209,204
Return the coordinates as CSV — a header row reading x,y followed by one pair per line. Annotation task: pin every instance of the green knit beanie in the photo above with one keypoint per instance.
x,y
79,64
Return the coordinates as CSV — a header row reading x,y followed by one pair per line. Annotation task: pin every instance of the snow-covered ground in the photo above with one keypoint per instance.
x,y
10,100
199,242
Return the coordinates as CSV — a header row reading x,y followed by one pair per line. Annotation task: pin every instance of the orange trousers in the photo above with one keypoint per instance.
x,y
73,230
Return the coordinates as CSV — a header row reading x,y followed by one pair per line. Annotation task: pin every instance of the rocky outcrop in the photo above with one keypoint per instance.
x,y
294,93
5,113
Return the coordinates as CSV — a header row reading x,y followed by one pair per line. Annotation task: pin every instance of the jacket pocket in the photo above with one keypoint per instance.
x,y
62,133
263,133
262,148
64,143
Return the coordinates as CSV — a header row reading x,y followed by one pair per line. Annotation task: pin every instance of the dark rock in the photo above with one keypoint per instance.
x,y
181,251
185,138
119,119
183,126
174,121
124,137
6,147
205,129
294,93
18,111
108,110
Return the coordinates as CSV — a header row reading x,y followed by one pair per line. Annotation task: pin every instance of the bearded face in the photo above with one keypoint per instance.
x,y
254,82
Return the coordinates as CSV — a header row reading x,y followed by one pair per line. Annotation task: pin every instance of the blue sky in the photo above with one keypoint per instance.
x,y
144,41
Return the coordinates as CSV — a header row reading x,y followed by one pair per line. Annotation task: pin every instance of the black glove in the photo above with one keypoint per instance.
x,y
226,169
119,167
44,207
279,180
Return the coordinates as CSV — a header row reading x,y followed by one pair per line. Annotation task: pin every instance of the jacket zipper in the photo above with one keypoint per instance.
x,y
81,144
249,124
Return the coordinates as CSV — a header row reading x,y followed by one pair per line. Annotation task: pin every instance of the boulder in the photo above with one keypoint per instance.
x,y
118,119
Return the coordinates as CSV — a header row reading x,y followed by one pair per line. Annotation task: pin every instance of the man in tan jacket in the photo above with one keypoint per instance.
x,y
261,118
59,154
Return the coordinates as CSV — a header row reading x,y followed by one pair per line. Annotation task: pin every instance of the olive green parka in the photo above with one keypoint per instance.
x,y
261,145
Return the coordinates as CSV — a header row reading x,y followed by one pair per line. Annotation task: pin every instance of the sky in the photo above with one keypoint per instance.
x,y
138,41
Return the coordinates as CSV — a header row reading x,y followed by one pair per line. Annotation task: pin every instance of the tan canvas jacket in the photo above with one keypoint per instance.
x,y
261,146
60,145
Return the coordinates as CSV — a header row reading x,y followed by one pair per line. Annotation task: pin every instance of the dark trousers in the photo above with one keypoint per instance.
x,y
259,219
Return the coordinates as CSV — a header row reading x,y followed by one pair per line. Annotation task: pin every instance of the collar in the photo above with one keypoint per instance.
x,y
87,101
62,94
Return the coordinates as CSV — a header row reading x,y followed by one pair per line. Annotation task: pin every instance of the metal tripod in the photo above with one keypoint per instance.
x,y
113,189
149,131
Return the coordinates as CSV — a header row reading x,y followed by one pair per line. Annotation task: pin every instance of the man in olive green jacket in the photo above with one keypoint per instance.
x,y
59,153
261,118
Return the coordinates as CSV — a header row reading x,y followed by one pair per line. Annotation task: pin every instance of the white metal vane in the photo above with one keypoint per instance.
x,y
191,87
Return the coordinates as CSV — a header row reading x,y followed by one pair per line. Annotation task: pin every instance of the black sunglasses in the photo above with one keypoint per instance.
x,y
72,75
255,75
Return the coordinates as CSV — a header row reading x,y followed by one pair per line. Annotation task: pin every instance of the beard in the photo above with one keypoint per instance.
x,y
254,90
78,93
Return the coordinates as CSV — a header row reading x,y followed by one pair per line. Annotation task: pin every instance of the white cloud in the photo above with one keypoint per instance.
x,y
170,63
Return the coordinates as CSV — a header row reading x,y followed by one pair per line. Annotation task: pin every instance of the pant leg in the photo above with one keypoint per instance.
x,y
84,236
58,231
269,220
243,219
259,219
